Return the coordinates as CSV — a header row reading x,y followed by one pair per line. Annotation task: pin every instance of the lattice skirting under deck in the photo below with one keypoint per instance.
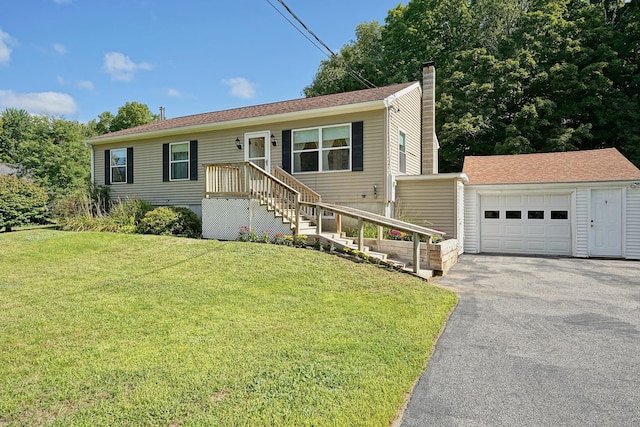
x,y
222,218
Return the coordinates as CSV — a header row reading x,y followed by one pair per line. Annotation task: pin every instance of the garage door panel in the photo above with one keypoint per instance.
x,y
493,228
513,229
560,230
537,229
534,246
513,201
535,232
512,245
559,247
535,200
491,245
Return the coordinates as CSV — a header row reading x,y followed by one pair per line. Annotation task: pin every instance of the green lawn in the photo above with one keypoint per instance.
x,y
113,329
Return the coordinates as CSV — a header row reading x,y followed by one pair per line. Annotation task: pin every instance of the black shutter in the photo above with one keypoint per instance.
x,y
165,162
286,150
107,167
193,160
130,165
357,146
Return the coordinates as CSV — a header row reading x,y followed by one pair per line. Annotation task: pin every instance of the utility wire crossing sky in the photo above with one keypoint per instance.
x,y
78,58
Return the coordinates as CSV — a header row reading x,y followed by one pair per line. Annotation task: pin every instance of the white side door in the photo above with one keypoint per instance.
x,y
605,223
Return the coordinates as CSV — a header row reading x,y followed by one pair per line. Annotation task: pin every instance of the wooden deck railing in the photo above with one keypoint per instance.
x,y
247,179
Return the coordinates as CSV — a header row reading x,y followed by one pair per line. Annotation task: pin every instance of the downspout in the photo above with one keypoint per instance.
x,y
388,181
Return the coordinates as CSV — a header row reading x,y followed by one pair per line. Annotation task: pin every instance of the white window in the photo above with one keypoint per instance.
x,y
119,165
179,161
402,152
322,149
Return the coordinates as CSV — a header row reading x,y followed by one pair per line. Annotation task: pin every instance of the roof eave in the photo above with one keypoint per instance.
x,y
556,184
252,121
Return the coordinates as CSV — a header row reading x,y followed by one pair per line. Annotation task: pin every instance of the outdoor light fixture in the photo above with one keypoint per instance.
x,y
238,144
273,140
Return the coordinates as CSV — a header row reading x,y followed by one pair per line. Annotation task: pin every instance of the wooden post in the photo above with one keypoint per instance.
x,y
416,253
318,220
360,234
297,213
379,233
339,224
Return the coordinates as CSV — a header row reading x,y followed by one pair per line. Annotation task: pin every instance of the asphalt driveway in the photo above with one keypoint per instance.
x,y
535,342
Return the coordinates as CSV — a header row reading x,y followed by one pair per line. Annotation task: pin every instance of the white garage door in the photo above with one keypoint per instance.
x,y
526,224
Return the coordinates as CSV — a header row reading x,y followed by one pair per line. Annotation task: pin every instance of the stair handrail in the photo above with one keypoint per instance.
x,y
307,193
248,179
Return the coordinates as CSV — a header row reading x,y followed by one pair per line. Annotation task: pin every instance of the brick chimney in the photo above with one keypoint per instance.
x,y
429,140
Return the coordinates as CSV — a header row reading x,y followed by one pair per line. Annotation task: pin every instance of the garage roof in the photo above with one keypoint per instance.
x,y
569,166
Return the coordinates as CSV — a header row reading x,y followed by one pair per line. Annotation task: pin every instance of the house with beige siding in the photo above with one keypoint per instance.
x,y
357,149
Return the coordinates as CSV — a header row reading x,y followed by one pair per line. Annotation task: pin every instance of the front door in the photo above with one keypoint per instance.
x,y
256,149
605,238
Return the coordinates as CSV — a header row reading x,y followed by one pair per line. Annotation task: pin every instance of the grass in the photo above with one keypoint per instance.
x,y
111,329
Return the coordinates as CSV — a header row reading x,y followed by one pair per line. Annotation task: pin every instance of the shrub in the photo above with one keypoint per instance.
x,y
171,220
21,202
129,213
94,202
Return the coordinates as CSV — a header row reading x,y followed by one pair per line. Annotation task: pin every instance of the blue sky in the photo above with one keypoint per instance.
x,y
78,58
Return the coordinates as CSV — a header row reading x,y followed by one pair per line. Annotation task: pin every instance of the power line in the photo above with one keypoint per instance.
x,y
330,54
294,26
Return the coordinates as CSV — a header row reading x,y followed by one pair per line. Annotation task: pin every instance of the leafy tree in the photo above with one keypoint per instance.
x,y
21,202
130,115
516,77
16,127
362,57
103,125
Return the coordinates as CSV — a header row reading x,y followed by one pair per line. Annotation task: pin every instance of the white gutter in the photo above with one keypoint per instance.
x,y
435,177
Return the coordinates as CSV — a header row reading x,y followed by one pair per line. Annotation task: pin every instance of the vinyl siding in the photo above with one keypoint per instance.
x,y
460,216
351,188
407,120
581,222
633,224
428,203
348,188
471,220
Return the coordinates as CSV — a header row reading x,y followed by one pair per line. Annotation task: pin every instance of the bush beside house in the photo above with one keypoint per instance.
x,y
21,202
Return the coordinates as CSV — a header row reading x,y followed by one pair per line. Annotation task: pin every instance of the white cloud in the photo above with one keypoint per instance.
x,y
174,93
54,103
85,84
5,50
60,48
241,87
121,67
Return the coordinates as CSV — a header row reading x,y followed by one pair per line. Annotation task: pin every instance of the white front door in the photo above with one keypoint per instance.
x,y
605,224
257,149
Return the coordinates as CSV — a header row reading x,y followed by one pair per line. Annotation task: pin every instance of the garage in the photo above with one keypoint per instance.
x,y
559,204
526,223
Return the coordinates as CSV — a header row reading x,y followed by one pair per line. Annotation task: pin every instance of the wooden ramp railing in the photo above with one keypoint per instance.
x,y
293,200
381,221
